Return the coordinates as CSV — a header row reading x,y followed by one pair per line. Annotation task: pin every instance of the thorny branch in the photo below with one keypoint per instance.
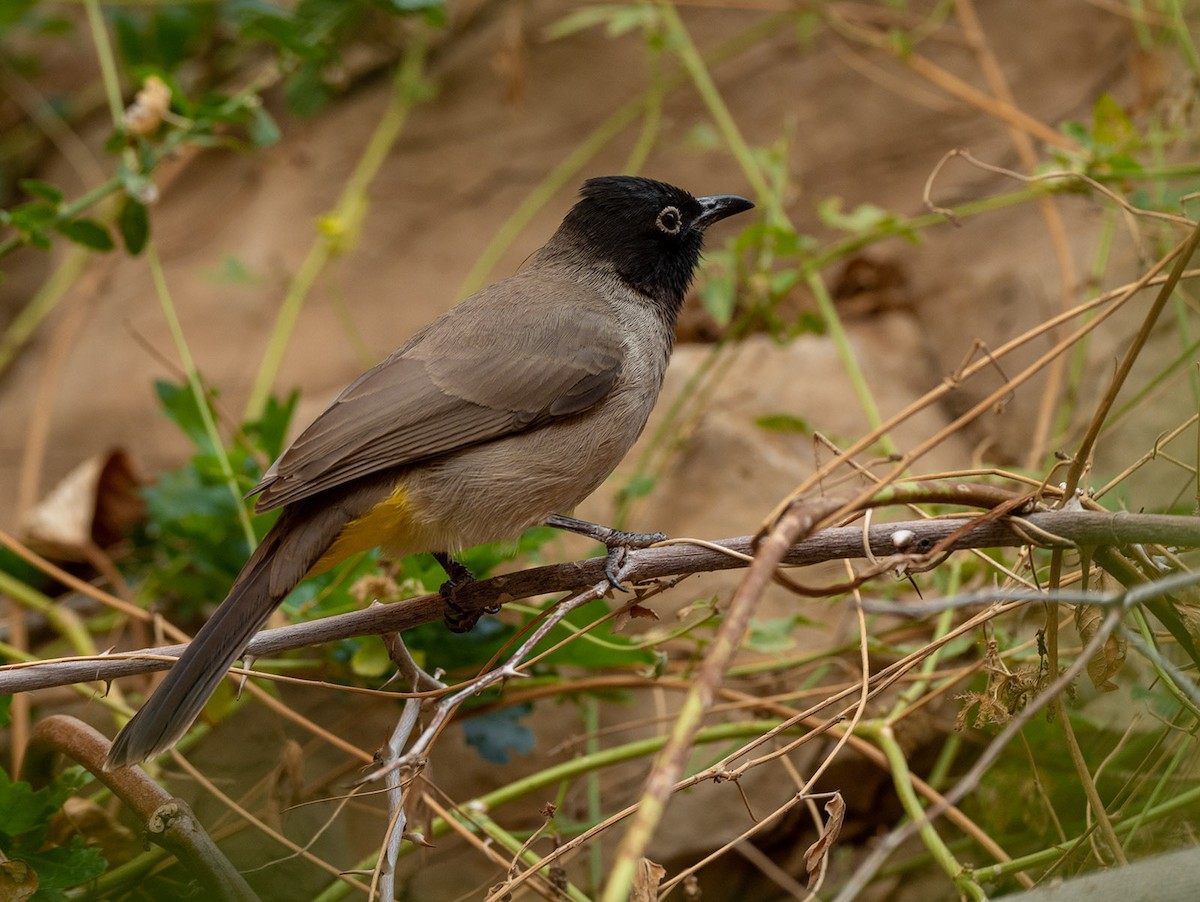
x,y
904,546
390,757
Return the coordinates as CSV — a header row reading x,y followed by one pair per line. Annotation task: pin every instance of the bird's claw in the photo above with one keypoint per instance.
x,y
459,619
618,542
612,566
619,545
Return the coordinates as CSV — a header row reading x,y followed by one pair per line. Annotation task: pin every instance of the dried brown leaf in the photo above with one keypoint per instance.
x,y
93,506
18,881
1109,659
645,882
815,857
631,613
96,825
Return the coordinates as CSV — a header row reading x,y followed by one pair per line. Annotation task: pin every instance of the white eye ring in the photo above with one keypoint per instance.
x,y
670,220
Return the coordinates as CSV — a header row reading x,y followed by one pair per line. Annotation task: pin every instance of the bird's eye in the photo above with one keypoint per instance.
x,y
669,220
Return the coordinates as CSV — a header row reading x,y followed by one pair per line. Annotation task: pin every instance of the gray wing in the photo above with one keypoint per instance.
x,y
473,375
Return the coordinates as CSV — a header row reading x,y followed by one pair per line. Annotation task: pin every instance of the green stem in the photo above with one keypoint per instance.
x,y
595,803
841,342
651,118
68,211
1183,36
124,878
554,181
339,227
476,819
594,142
42,304
571,770
108,64
1169,682
885,738
198,393
64,621
1185,801
693,63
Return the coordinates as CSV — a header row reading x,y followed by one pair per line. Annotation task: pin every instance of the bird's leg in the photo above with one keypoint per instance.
x,y
617,541
458,619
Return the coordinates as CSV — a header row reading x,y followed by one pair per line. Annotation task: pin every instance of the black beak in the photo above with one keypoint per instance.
x,y
718,207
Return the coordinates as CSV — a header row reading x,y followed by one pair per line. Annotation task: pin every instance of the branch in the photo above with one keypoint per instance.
x,y
168,821
918,540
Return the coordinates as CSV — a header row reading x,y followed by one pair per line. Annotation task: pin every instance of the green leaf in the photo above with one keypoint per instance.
x,y
863,218
133,222
33,217
774,636
783,422
63,867
1113,127
87,232
13,11
783,281
719,299
433,11
286,32
638,486
25,816
370,659
44,190
179,404
618,19
31,221
263,129
270,430
306,91
1077,132
497,733
116,142
23,809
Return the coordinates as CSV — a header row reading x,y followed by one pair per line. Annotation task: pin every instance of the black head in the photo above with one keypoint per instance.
x,y
649,233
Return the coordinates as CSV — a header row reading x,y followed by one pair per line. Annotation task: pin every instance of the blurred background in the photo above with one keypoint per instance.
x,y
241,200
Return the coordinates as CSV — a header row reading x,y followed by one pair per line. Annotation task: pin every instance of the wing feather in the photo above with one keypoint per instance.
x,y
554,351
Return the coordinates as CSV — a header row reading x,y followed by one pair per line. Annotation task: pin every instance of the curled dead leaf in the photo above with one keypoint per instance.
x,y
18,881
631,613
94,506
1109,659
98,829
645,882
818,852
287,783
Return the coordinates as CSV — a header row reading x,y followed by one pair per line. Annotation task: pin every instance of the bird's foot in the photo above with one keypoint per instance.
x,y
617,541
458,618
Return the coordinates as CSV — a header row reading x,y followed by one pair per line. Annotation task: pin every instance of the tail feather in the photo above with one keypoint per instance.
x,y
281,560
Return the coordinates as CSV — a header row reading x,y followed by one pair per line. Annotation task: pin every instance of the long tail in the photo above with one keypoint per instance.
x,y
281,560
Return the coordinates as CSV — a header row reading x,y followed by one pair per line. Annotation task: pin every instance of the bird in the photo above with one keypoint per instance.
x,y
503,413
